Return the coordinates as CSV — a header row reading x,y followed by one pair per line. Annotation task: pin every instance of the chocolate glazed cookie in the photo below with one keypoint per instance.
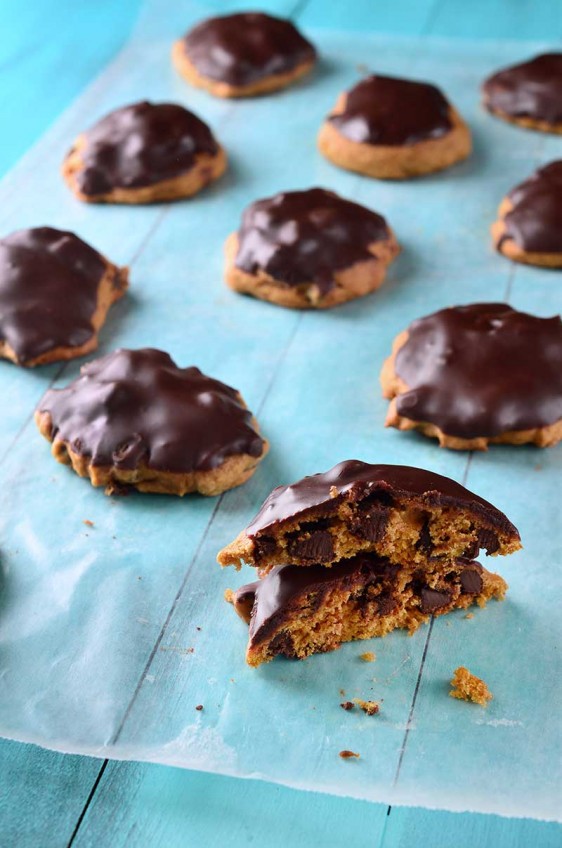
x,y
309,249
393,128
55,292
528,94
143,153
134,419
529,225
242,55
477,375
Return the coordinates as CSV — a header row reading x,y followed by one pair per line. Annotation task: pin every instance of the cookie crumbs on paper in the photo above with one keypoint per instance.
x,y
368,707
468,687
348,755
368,656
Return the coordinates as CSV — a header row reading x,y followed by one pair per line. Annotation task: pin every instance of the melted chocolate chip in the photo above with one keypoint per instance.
x,y
370,525
535,221
318,547
302,237
482,370
355,480
433,600
532,89
243,600
488,540
137,406
245,48
49,283
140,145
471,581
392,111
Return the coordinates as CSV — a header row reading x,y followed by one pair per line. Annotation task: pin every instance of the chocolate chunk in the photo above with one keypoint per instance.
x,y
49,284
140,145
135,406
471,581
283,643
425,542
535,221
488,540
370,526
433,600
386,603
392,111
531,89
482,370
307,236
317,547
355,480
264,546
245,48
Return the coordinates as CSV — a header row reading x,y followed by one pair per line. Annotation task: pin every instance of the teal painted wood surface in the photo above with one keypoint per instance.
x,y
162,806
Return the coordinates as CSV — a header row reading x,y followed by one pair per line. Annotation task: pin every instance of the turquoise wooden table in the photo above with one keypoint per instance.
x,y
49,52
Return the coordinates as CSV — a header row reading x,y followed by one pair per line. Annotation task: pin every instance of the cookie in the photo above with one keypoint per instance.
x,y
529,225
309,249
477,375
394,129
134,419
407,515
243,55
55,292
528,94
295,612
143,153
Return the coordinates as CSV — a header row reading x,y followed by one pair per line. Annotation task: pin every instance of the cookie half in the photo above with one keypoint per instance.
x,y
393,128
243,55
529,225
134,419
143,153
309,249
477,375
55,292
407,515
528,94
295,612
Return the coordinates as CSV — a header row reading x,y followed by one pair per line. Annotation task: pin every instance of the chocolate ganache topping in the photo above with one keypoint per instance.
x,y
530,90
49,281
357,480
482,370
306,236
136,407
535,222
245,48
392,111
140,145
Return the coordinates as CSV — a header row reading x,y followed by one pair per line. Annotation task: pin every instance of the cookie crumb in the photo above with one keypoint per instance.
x,y
229,596
88,523
368,656
342,693
199,707
198,628
368,707
469,615
347,755
468,687
347,705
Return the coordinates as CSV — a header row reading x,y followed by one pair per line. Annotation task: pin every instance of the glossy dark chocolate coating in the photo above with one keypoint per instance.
x,y
140,145
357,480
265,603
532,89
245,48
49,281
482,370
306,236
391,111
136,407
535,222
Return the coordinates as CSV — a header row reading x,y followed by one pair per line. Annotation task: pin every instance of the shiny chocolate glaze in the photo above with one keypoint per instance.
x,y
391,111
535,222
266,604
532,89
355,480
141,145
49,281
482,370
136,407
306,236
245,48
